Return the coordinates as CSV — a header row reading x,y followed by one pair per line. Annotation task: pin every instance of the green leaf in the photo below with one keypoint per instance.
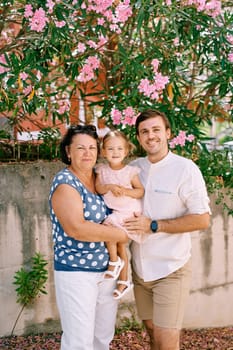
x,y
30,281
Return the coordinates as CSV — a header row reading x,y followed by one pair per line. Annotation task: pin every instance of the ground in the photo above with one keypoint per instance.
x,y
130,339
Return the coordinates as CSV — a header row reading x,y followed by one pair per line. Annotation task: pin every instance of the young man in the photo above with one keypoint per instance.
x,y
175,204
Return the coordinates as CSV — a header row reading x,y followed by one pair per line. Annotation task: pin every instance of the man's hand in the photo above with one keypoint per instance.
x,y
138,224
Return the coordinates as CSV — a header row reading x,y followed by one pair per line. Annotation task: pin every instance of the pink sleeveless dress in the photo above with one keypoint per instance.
x,y
124,206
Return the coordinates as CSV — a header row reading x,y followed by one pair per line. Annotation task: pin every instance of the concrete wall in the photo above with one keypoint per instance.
x,y
25,229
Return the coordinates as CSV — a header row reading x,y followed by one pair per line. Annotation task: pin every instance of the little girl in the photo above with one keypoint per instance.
x,y
122,190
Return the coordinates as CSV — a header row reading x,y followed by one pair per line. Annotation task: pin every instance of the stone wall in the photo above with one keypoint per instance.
x,y
25,229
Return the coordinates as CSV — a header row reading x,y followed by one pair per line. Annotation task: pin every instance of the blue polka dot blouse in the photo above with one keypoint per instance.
x,y
71,254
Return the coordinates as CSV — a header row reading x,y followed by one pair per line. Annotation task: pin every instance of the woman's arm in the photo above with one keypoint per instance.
x,y
68,207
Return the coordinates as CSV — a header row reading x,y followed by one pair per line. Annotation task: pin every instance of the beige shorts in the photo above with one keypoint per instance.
x,y
163,300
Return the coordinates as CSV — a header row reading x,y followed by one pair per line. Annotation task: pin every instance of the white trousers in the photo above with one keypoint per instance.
x,y
87,310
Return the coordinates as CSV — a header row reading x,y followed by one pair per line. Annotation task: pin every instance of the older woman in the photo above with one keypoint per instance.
x,y
84,298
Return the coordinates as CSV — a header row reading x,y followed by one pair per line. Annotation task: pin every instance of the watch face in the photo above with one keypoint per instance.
x,y
154,226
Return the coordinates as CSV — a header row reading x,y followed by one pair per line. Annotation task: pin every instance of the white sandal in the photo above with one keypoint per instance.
x,y
118,266
128,288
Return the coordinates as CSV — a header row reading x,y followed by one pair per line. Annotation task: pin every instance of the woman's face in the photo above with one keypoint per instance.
x,y
83,151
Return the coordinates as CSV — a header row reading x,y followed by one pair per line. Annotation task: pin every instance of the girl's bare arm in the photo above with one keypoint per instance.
x,y
137,191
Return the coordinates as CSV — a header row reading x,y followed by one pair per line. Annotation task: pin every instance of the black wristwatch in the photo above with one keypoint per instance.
x,y
154,226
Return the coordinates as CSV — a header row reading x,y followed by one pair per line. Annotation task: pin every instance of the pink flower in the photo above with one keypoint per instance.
x,y
99,6
100,21
27,90
126,117
128,112
3,64
101,43
230,57
64,106
28,11
172,144
155,65
129,116
213,8
86,74
154,88
60,24
123,12
190,137
115,28
160,81
93,61
81,47
92,44
181,139
144,87
116,116
154,95
23,76
38,21
129,120
50,4
133,120
230,39
176,41
109,15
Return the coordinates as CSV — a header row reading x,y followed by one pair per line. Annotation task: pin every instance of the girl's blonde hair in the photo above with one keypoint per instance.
x,y
117,133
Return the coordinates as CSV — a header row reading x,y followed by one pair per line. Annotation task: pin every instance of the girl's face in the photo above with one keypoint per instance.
x,y
115,150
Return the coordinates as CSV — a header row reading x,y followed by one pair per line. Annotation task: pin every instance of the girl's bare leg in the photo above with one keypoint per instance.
x,y
122,253
113,257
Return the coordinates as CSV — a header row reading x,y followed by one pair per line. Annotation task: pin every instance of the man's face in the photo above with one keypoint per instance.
x,y
153,137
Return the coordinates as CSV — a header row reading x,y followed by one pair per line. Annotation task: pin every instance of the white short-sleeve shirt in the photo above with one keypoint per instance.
x,y
174,187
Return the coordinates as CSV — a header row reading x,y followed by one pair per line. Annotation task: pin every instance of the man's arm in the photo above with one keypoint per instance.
x,y
187,223
182,224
